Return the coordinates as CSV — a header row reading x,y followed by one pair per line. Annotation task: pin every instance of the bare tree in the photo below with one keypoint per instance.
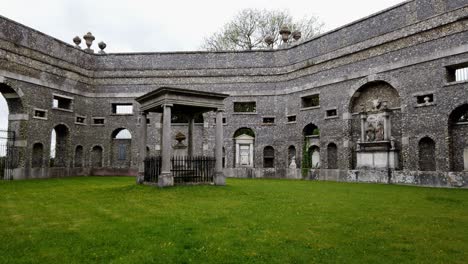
x,y
250,27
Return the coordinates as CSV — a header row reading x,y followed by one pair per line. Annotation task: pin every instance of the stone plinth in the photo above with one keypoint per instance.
x,y
376,155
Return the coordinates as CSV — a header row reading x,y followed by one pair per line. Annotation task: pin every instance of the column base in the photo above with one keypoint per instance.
x,y
220,179
165,179
140,178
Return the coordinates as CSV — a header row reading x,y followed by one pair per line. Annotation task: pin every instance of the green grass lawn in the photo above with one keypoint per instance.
x,y
93,219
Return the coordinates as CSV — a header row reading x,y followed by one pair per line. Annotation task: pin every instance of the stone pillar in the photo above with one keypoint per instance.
x,y
363,127
166,178
220,179
142,147
237,154
251,155
387,127
190,141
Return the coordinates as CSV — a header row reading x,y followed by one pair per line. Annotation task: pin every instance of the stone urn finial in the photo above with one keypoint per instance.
x,y
269,40
89,38
102,46
296,35
77,41
285,32
180,137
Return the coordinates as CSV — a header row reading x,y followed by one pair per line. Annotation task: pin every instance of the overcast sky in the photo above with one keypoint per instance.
x,y
171,25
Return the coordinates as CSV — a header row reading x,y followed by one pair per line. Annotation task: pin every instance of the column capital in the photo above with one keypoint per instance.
x,y
167,105
143,113
220,110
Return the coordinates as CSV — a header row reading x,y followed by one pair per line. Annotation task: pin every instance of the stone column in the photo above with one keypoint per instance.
x,y
363,127
142,147
166,178
190,141
237,154
220,179
251,155
387,126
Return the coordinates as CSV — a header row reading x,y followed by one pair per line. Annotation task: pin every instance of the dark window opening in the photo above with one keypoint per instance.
x,y
40,113
268,120
291,119
332,113
62,102
311,101
80,119
98,121
425,99
245,107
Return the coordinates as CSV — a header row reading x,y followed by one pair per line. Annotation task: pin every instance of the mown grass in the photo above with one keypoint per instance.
x,y
112,220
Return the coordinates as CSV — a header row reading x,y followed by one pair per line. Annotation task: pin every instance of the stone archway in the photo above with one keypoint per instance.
x,y
458,135
59,146
121,148
375,126
244,146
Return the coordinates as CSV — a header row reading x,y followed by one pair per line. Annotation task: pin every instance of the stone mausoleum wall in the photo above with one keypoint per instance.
x,y
402,54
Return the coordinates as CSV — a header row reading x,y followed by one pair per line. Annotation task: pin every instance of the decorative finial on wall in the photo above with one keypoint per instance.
x,y
89,38
77,42
102,46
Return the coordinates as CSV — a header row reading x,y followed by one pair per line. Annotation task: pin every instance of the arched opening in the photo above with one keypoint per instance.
x,y
291,156
311,130
59,146
427,148
96,157
37,155
458,134
380,106
314,155
244,139
78,156
268,157
10,130
121,148
332,156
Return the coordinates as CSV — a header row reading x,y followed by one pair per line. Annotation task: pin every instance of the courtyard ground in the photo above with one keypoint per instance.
x,y
112,220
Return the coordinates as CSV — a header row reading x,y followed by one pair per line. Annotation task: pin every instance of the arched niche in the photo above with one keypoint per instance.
x,y
332,156
268,157
244,139
367,95
37,158
96,157
78,162
427,156
292,159
314,156
458,135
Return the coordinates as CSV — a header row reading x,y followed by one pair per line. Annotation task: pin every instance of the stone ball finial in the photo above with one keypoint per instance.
x,y
296,35
269,40
285,32
89,38
102,46
77,41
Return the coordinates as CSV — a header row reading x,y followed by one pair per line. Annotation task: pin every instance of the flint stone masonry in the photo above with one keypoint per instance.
x,y
392,55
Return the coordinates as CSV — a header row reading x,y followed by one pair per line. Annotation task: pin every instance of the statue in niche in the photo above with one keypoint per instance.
x,y
376,103
370,133
379,132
